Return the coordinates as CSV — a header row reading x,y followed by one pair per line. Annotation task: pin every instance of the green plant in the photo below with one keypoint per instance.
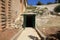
x,y
49,3
31,7
57,9
39,3
40,12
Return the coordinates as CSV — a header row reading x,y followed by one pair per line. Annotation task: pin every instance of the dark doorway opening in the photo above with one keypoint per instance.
x,y
29,20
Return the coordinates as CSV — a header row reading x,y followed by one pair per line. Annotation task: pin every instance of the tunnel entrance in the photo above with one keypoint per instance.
x,y
29,20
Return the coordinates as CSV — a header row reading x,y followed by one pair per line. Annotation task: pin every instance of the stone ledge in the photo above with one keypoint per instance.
x,y
43,37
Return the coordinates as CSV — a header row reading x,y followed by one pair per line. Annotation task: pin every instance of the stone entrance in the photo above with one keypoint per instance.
x,y
29,20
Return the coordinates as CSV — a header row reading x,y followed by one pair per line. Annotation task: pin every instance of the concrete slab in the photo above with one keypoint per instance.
x,y
28,34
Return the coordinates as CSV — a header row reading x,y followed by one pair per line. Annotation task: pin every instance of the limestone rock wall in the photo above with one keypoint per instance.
x,y
50,7
42,20
48,24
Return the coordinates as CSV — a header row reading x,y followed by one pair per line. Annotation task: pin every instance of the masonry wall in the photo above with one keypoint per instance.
x,y
5,14
17,7
2,15
23,4
8,13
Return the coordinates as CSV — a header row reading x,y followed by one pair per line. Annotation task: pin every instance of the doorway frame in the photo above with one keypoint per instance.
x,y
24,19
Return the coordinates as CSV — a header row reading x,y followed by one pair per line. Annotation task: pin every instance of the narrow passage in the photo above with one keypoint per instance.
x,y
28,34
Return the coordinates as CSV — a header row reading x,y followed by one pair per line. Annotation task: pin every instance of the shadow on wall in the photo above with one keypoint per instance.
x,y
54,13
55,36
33,37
